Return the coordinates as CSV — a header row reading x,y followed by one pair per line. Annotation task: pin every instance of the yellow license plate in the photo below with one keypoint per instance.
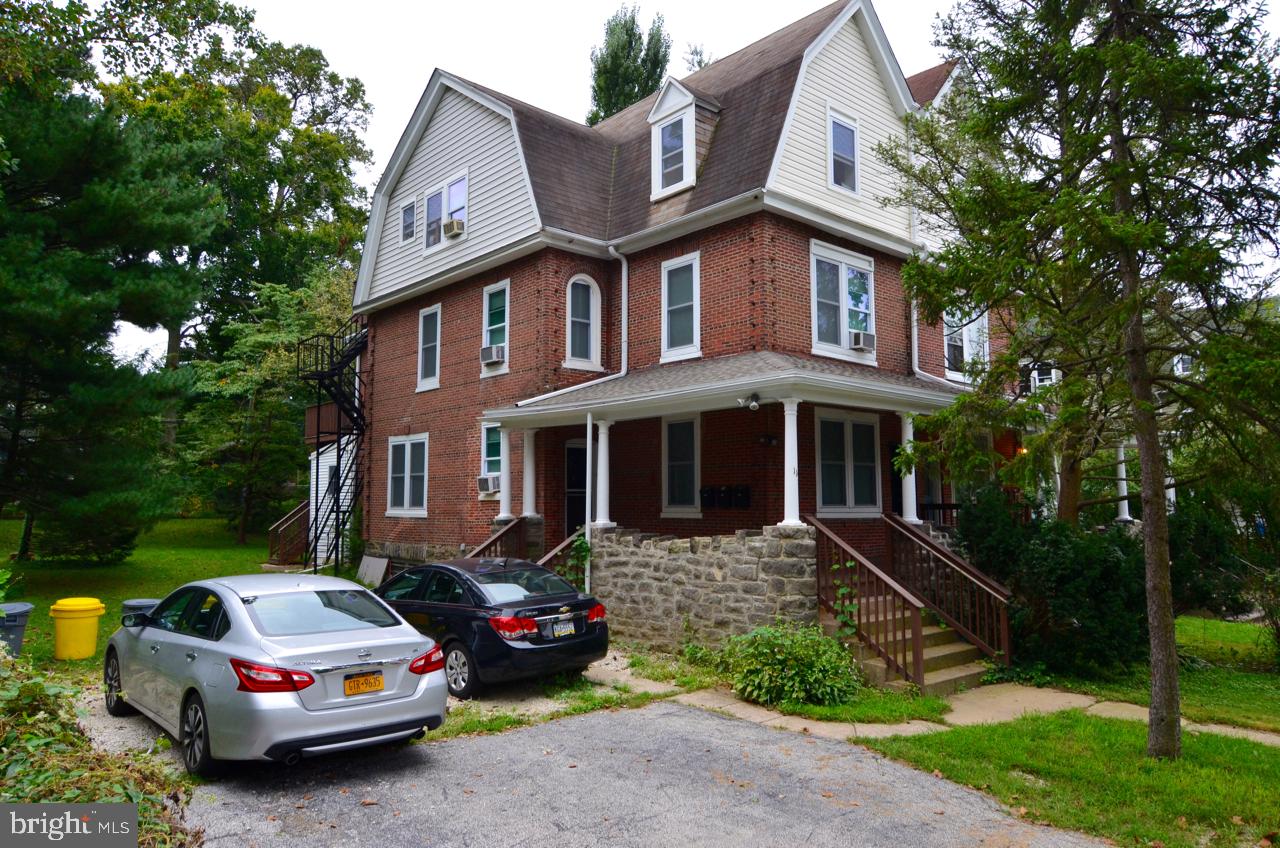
x,y
359,684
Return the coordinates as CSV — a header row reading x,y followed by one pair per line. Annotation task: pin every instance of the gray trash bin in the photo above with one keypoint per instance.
x,y
13,624
138,605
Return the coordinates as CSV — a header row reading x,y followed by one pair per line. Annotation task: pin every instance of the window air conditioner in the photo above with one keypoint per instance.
x,y
493,355
453,229
862,341
488,484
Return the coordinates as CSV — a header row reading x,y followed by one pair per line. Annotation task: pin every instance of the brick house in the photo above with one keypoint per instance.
x,y
687,320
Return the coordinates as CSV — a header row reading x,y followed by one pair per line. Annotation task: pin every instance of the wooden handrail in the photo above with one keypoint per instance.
x,y
993,586
558,558
883,605
500,542
290,516
560,548
287,538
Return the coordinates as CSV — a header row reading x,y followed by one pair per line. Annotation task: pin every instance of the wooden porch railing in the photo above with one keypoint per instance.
x,y
560,561
969,601
940,514
508,541
287,538
889,618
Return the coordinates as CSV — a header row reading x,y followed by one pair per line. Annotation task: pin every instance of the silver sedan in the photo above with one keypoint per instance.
x,y
274,667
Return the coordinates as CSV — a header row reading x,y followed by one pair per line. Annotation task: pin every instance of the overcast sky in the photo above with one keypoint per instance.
x,y
536,52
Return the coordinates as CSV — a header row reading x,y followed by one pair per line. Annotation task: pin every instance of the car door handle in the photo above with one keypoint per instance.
x,y
155,649
191,655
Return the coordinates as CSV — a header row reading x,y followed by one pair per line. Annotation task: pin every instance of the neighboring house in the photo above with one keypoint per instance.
x,y
687,320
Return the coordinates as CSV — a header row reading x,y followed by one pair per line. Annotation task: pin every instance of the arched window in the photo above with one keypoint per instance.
x,y
582,324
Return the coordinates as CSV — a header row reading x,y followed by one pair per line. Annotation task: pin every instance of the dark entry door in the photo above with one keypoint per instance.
x,y
575,487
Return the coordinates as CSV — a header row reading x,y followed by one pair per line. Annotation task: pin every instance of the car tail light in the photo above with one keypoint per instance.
x,y
432,660
597,613
268,678
511,627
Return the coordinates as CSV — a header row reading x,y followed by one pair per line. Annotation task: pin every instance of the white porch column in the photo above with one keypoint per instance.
x,y
1122,487
504,475
790,464
602,476
909,478
528,479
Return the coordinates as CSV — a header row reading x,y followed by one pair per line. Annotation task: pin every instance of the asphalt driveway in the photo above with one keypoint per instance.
x,y
667,774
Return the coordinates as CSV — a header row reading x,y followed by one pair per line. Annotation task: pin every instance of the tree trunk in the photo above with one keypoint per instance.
x,y
1164,729
242,525
1070,483
24,542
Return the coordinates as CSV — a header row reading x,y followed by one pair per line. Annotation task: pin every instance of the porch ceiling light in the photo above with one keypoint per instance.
x,y
752,403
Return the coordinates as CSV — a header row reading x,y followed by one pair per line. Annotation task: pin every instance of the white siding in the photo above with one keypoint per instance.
x,y
321,498
844,76
462,136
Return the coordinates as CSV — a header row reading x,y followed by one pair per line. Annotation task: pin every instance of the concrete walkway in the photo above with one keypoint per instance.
x,y
985,705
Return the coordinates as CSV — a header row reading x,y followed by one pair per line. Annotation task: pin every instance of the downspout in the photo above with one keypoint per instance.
x,y
625,312
915,355
587,516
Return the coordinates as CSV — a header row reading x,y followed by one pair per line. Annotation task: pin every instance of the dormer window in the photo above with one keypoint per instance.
x,y
673,153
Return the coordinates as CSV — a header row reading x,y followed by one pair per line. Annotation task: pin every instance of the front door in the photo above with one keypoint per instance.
x,y
575,486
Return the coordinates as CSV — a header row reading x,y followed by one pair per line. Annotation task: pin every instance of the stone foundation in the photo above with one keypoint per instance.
x,y
413,552
664,591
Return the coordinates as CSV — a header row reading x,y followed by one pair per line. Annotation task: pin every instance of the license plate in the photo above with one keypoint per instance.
x,y
359,684
561,628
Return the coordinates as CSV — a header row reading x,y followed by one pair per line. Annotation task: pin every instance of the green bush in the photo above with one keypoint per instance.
x,y
1079,599
48,758
789,662
1207,573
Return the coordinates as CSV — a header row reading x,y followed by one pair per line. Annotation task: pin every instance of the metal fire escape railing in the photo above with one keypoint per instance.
x,y
332,363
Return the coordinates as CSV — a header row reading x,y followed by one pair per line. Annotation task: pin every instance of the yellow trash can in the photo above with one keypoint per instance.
x,y
75,627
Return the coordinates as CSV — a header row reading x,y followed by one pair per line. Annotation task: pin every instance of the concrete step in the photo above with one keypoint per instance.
x,y
947,681
936,658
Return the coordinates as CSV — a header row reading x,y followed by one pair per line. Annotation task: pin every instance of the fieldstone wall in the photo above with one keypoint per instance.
x,y
414,552
664,591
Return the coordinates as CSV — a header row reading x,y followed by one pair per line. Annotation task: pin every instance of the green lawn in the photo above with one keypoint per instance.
x,y
1231,643
1090,774
173,553
875,706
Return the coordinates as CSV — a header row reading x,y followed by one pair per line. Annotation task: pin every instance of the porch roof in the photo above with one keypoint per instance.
x,y
718,383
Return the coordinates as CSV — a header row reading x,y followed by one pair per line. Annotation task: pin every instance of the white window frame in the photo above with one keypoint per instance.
x,y
975,340
407,511
442,189
686,114
1183,364
412,204
505,287
846,417
681,510
484,460
593,361
694,350
835,114
845,258
426,384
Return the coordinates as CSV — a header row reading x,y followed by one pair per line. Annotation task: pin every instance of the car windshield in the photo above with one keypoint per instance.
x,y
298,613
517,584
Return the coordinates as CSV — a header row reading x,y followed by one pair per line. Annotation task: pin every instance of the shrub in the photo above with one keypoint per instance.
x,y
1207,573
789,662
1079,598
48,758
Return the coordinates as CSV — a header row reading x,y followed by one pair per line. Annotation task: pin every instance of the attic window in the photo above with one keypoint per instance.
x,y
673,153
842,142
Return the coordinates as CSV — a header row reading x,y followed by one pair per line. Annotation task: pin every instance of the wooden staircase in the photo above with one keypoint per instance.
x,y
928,619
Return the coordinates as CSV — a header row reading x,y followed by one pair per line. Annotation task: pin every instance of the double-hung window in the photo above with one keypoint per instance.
x,y
681,460
681,309
408,220
842,158
490,450
429,348
433,219
673,153
582,324
496,324
407,475
966,341
848,463
843,301
458,199
443,203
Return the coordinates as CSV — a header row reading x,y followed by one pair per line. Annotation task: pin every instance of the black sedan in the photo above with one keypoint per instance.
x,y
499,619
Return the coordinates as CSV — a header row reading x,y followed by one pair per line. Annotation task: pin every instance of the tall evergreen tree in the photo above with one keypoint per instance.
x,y
629,66
1104,175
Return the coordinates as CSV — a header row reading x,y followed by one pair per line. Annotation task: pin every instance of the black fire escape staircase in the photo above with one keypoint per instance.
x,y
332,363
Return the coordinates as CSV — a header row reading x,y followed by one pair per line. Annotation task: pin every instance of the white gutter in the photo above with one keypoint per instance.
x,y
626,281
915,356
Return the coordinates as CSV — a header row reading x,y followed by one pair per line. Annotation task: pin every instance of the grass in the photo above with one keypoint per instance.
x,y
671,668
1231,643
874,706
171,554
1091,774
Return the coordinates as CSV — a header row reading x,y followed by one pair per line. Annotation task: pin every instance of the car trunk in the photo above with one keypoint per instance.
x,y
554,614
352,667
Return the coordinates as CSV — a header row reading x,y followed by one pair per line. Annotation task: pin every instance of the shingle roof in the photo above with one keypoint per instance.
x,y
717,371
926,84
595,180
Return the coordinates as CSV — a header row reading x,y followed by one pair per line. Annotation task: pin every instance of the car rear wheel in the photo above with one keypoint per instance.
x,y
460,671
195,738
114,689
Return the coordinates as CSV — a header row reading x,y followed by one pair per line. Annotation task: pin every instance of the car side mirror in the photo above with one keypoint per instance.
x,y
135,619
